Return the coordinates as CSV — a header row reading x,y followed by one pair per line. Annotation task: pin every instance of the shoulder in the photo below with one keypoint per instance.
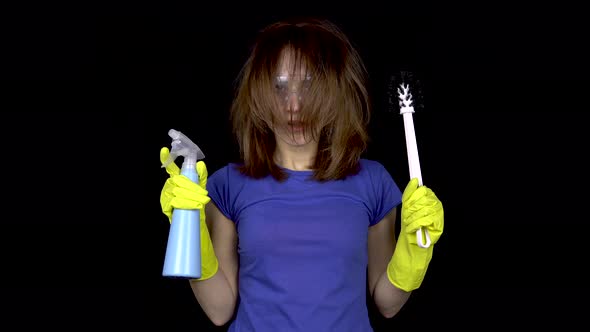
x,y
384,194
229,173
371,167
370,163
375,173
228,170
223,186
372,173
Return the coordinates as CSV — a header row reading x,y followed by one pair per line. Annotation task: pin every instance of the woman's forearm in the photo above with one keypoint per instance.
x,y
216,297
388,298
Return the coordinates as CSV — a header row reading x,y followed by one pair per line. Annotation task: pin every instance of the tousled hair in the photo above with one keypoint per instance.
x,y
336,108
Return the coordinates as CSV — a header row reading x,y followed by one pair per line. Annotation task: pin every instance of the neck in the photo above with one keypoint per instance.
x,y
297,158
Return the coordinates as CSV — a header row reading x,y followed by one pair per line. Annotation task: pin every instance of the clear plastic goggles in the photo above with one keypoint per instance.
x,y
286,86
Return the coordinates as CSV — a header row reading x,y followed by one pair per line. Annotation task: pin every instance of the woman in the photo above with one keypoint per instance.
x,y
298,229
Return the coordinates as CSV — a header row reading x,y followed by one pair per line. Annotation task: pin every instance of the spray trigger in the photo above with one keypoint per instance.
x,y
183,146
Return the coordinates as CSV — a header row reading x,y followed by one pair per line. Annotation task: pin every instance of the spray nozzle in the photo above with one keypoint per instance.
x,y
183,146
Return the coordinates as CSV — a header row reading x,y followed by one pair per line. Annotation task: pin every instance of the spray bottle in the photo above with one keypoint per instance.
x,y
183,251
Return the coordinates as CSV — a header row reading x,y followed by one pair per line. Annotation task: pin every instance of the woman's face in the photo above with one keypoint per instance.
x,y
290,88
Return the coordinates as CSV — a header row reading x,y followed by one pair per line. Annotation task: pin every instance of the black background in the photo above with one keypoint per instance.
x,y
90,92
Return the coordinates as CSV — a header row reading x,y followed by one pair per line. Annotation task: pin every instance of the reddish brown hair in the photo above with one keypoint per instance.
x,y
336,108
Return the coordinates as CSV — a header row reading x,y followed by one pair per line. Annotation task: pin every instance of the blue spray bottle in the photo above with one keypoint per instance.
x,y
183,251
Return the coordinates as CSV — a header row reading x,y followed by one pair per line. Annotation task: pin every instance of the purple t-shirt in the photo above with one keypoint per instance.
x,y
302,246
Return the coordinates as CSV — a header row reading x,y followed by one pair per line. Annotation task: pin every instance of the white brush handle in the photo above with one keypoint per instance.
x,y
414,163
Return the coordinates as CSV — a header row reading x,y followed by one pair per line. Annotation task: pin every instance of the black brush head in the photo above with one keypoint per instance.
x,y
415,89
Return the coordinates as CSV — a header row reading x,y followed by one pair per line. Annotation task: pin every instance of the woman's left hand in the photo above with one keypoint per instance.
x,y
421,208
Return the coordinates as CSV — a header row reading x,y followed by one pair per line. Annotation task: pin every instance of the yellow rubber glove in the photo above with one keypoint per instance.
x,y
420,208
179,192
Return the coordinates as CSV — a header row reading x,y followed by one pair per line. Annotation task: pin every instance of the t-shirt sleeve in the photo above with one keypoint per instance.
x,y
387,193
218,188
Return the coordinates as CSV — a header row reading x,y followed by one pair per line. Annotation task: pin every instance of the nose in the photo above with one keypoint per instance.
x,y
293,101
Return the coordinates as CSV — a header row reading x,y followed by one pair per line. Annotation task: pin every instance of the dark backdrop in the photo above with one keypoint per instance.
x,y
90,92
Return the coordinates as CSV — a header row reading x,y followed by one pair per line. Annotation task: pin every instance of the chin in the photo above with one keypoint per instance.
x,y
296,139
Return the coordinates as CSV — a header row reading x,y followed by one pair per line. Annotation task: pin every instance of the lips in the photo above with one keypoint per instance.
x,y
296,125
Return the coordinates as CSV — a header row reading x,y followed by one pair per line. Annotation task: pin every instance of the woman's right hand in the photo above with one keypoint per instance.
x,y
179,192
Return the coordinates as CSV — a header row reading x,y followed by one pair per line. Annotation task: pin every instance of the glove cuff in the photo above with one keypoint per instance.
x,y
209,263
210,270
408,265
